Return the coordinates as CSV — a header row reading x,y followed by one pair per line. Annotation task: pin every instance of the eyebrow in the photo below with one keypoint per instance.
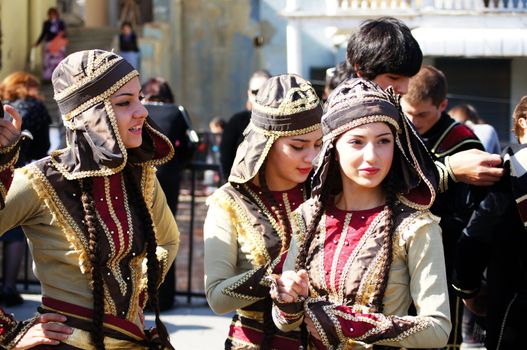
x,y
363,136
304,140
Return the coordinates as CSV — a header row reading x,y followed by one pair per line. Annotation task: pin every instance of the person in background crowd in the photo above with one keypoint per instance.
x,y
233,130
425,103
128,47
468,115
366,245
21,91
162,108
248,225
98,225
495,240
335,76
383,50
53,35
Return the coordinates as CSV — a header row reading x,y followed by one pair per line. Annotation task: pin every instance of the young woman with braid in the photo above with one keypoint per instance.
x,y
99,228
366,245
248,225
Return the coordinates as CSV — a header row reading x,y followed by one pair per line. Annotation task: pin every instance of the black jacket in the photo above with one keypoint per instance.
x,y
496,239
230,140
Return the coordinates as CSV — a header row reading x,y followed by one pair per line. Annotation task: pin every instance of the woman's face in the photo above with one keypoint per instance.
x,y
365,155
289,161
129,113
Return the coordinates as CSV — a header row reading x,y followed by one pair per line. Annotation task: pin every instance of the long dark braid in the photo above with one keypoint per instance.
x,y
389,228
280,212
92,226
282,218
153,269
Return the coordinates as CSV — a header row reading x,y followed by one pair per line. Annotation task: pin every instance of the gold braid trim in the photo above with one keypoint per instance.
x,y
265,151
360,121
275,133
99,98
11,163
7,149
408,226
71,230
248,236
138,279
288,106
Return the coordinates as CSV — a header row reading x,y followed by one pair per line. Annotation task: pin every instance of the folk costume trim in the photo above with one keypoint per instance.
x,y
68,225
248,236
439,149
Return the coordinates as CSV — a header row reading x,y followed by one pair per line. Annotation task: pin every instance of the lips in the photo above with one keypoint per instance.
x,y
370,171
136,129
304,171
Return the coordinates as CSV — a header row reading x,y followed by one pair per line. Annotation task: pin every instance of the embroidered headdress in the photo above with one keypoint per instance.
x,y
83,83
356,102
286,105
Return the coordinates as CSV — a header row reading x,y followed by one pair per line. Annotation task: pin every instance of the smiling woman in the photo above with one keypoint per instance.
x,y
248,225
367,246
100,231
130,113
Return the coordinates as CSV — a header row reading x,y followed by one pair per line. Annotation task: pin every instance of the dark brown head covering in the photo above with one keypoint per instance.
x,y
83,83
286,105
356,102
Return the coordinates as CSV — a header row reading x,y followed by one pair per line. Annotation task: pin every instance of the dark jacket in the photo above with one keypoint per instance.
x,y
230,140
49,35
36,120
128,42
496,240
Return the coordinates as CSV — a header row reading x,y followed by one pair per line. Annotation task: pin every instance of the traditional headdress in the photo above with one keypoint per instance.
x,y
83,83
356,102
286,105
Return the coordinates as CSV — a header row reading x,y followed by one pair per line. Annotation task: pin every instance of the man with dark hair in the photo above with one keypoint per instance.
x,y
233,130
383,50
425,104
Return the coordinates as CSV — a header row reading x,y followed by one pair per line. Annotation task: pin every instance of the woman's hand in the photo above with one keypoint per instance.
x,y
48,330
10,130
291,285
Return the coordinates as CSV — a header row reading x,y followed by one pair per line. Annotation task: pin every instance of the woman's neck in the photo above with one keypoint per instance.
x,y
363,199
274,186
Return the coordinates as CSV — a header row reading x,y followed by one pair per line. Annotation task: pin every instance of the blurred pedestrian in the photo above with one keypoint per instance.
x,y
54,37
21,90
128,47
468,115
233,130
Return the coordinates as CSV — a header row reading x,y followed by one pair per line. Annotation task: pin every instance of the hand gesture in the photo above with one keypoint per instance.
x,y
10,130
290,286
47,331
475,167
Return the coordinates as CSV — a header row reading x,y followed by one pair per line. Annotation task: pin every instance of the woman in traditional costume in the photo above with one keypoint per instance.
x,y
100,231
248,225
367,246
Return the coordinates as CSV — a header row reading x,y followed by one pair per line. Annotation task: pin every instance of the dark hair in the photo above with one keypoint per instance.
x,y
337,74
153,270
384,45
53,11
520,112
127,24
157,90
466,112
429,83
283,220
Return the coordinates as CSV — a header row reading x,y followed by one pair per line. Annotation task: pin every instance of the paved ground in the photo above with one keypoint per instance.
x,y
191,328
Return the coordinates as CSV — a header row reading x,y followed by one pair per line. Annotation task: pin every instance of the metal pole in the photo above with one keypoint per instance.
x,y
191,233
